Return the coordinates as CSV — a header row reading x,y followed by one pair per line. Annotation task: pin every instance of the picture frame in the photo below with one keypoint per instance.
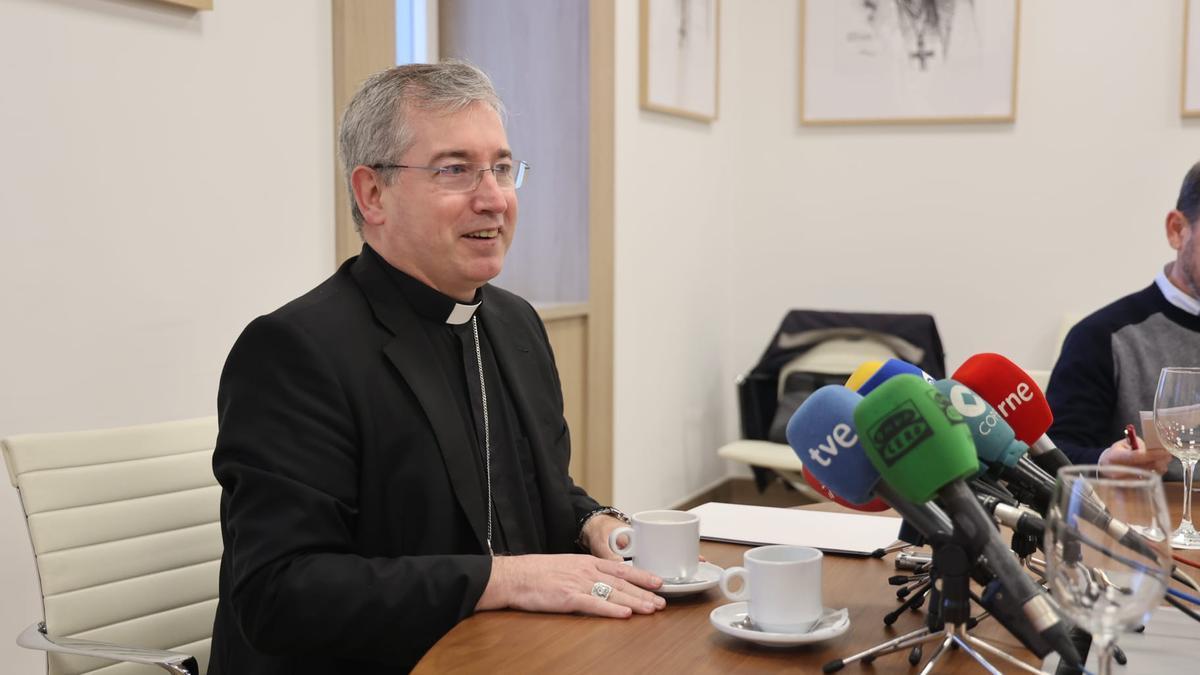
x,y
680,57
191,4
1189,90
908,61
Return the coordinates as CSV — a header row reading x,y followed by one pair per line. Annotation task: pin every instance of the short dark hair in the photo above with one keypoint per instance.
x,y
1189,195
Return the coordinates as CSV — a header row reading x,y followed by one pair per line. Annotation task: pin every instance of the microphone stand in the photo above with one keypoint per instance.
x,y
948,620
914,587
1025,545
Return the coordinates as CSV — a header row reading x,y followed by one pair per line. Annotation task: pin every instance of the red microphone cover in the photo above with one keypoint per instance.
x,y
875,504
1011,392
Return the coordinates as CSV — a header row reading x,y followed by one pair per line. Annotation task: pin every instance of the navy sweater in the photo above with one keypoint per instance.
x,y
1108,371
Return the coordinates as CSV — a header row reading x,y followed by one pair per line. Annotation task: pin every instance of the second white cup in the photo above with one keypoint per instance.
x,y
665,543
783,586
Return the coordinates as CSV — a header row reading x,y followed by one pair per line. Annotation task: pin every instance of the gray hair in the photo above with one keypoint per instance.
x,y
375,127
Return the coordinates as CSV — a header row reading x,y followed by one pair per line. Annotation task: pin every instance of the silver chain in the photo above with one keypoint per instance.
x,y
487,433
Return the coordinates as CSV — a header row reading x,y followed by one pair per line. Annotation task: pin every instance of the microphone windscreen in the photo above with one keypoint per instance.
x,y
994,439
862,373
886,371
821,433
1011,392
914,438
874,505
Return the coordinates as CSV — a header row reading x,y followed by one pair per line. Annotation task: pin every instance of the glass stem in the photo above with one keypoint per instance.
x,y
1188,466
1105,658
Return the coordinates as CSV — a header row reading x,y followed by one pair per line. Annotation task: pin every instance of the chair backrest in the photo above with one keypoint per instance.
x,y
125,526
839,356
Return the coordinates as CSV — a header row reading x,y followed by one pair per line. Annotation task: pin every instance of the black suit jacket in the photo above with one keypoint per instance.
x,y
353,515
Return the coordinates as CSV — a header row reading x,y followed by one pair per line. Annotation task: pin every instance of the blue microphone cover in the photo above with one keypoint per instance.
x,y
890,369
995,440
822,434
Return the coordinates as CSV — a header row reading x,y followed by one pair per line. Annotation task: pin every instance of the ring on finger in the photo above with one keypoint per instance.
x,y
601,590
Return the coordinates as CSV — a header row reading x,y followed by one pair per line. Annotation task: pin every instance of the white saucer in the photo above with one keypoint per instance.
x,y
707,576
728,619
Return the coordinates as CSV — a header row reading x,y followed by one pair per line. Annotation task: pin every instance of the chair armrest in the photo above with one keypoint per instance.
x,y
35,637
762,453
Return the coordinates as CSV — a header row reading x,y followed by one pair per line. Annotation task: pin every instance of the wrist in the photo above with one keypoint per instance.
x,y
497,591
590,518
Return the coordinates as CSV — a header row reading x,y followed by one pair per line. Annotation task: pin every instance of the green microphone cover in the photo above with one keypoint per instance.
x,y
915,438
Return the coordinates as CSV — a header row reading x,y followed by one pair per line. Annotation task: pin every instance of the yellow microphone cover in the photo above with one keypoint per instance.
x,y
863,373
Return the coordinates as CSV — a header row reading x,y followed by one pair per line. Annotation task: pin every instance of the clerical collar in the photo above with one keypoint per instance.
x,y
1175,295
429,302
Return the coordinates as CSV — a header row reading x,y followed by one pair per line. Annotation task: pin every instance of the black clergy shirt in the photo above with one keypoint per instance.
x,y
518,526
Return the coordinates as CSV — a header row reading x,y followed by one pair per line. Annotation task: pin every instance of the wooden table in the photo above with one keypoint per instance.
x,y
679,639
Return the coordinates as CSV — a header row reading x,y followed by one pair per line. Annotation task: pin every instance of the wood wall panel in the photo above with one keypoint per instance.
x,y
601,255
364,43
568,337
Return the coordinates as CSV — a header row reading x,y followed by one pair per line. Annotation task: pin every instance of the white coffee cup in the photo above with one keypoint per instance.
x,y
665,543
783,586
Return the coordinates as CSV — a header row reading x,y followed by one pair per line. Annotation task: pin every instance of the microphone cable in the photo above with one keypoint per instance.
x,y
1183,608
1178,575
1184,561
1184,596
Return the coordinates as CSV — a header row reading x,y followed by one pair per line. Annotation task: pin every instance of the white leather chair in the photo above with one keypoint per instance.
x,y
125,528
836,356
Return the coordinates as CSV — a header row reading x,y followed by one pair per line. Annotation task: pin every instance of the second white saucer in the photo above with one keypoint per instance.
x,y
731,619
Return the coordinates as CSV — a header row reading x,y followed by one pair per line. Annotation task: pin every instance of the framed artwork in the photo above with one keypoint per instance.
x,y
908,61
680,53
1190,94
194,4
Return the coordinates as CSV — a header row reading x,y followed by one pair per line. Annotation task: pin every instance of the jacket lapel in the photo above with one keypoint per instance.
x,y
516,361
409,351
538,410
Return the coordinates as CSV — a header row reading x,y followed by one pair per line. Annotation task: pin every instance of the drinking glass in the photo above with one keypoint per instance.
x,y
1177,421
1104,586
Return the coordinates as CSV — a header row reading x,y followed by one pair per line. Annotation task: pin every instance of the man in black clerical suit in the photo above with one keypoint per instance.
x,y
392,448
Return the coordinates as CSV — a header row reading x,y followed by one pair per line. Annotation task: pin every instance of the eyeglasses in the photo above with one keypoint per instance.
x,y
465,177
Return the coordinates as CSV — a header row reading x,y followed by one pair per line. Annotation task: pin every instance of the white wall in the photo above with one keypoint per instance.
x,y
675,216
165,176
997,230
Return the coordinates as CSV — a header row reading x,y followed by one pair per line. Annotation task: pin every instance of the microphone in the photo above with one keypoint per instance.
x,y
822,434
1019,401
871,374
1025,408
997,445
1015,518
921,446
872,506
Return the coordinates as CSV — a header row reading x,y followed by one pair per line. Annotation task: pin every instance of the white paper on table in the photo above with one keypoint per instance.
x,y
1149,433
849,533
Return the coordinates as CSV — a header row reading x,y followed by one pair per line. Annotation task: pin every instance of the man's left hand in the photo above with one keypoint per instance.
x,y
595,535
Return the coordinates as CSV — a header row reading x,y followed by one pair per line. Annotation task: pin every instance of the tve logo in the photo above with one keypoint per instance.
x,y
842,436
1014,400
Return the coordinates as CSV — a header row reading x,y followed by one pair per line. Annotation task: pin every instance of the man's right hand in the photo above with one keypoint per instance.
x,y
563,583
1152,459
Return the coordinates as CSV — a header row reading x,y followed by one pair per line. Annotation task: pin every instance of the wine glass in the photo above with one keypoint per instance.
x,y
1100,583
1177,421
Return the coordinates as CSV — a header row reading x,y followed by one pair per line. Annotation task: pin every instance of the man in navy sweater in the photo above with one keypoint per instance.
x,y
1110,361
